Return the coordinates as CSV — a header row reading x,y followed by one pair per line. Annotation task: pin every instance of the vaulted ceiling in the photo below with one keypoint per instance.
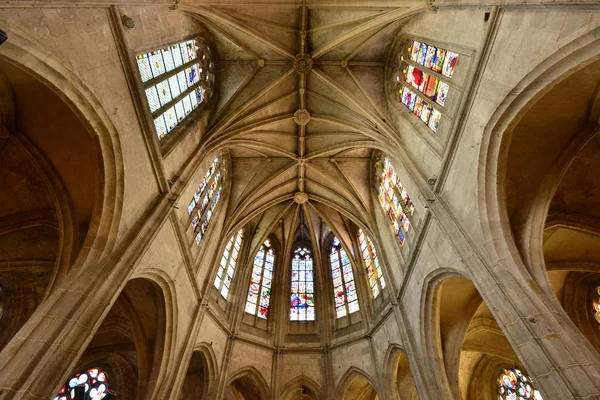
x,y
302,105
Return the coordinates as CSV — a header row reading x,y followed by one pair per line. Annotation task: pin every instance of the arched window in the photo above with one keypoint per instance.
x,y
374,273
513,385
422,80
302,304
227,266
394,199
177,79
205,200
259,293
344,290
93,381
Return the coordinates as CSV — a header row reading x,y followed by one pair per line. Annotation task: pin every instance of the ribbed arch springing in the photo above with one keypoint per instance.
x,y
228,264
259,293
344,289
369,255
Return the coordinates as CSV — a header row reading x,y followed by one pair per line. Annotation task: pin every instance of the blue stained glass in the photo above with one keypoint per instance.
x,y
302,296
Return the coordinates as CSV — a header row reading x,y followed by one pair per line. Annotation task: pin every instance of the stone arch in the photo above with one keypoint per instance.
x,y
201,376
397,377
247,384
430,328
26,55
494,157
301,388
84,242
355,384
463,334
160,368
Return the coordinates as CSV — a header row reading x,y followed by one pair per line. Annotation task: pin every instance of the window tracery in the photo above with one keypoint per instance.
x,y
344,290
227,265
513,384
204,202
421,80
302,304
177,79
94,380
394,199
369,255
259,293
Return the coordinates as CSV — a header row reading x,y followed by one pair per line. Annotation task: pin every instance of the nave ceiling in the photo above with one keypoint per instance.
x,y
302,105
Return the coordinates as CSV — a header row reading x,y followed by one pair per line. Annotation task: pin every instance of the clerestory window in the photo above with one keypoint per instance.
x,y
259,293
302,302
422,80
202,207
177,79
227,265
394,199
344,289
369,255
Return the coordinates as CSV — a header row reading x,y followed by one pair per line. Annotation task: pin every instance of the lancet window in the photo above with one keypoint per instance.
x,y
344,289
512,384
228,263
205,200
93,381
177,79
422,80
259,294
394,199
302,304
369,255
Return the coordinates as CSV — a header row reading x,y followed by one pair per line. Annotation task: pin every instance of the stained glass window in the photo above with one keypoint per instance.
x,y
302,303
394,199
436,59
417,88
259,293
596,305
227,265
177,79
369,255
205,200
512,384
344,290
94,381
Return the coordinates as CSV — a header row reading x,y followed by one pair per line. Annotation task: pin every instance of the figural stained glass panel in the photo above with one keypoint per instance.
x,y
204,202
259,293
394,199
512,384
177,79
369,255
94,380
302,302
344,289
227,265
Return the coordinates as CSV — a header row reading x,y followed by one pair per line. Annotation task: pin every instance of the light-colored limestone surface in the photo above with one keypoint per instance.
x,y
501,262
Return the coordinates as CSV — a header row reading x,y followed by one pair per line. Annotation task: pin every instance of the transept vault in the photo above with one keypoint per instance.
x,y
300,199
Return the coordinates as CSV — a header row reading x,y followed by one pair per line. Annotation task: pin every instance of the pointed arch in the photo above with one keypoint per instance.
x,y
255,378
349,378
293,386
